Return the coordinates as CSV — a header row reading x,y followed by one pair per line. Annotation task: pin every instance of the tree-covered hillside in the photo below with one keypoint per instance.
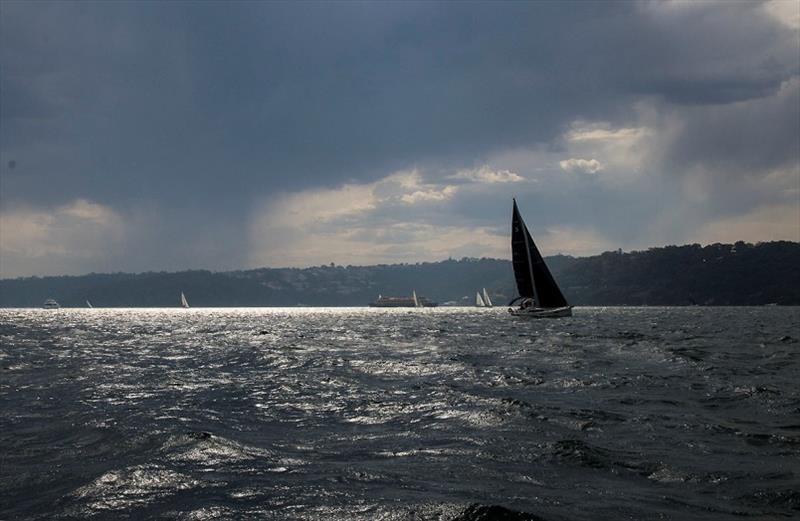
x,y
719,274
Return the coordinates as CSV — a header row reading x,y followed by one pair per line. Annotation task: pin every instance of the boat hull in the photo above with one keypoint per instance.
x,y
565,311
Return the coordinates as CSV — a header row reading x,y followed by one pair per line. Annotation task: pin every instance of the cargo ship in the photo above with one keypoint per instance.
x,y
403,302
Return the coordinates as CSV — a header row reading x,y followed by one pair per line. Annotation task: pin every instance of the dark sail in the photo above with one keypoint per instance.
x,y
519,255
533,278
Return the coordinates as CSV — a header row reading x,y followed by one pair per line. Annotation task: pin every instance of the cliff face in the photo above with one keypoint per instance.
x,y
719,274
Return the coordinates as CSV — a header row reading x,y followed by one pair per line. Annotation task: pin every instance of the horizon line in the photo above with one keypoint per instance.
x,y
335,265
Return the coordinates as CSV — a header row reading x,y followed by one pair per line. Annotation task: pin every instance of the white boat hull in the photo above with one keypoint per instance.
x,y
51,304
565,311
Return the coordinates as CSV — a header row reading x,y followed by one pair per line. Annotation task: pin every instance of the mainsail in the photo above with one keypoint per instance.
x,y
184,303
533,278
89,304
486,300
417,303
479,301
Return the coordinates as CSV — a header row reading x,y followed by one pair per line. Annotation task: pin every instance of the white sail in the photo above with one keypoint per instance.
x,y
184,303
478,300
486,300
416,300
89,304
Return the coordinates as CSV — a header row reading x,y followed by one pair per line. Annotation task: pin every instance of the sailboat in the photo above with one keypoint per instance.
x,y
89,304
486,300
479,301
184,303
539,295
417,303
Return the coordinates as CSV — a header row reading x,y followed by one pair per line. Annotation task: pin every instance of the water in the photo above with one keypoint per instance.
x,y
616,413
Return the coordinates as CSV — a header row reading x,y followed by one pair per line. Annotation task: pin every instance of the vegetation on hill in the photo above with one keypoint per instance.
x,y
718,274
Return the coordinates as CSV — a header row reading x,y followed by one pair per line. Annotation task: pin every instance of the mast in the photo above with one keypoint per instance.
x,y
530,265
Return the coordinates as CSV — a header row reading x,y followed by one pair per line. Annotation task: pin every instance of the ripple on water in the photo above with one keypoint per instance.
x,y
129,488
445,414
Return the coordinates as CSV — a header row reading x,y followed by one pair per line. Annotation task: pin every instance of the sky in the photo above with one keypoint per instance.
x,y
208,135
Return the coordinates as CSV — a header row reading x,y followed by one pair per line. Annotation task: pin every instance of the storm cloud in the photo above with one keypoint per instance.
x,y
390,131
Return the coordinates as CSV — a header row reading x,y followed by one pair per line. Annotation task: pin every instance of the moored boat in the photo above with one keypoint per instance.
x,y
51,304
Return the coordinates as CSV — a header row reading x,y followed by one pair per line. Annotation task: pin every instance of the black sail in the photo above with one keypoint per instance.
x,y
520,255
533,278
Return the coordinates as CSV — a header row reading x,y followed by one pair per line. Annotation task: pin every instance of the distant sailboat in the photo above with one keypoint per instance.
x,y
540,296
417,303
89,304
184,303
486,300
479,301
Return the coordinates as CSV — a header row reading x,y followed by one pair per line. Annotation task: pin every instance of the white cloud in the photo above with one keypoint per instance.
x,y
365,242
349,201
323,205
600,131
573,241
429,195
399,218
60,240
765,223
487,175
785,11
89,211
587,166
315,226
622,153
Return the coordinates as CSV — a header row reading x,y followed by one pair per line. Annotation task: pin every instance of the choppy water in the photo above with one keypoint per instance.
x,y
616,413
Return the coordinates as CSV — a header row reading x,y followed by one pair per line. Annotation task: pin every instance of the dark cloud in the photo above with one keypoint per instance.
x,y
742,138
202,107
708,53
